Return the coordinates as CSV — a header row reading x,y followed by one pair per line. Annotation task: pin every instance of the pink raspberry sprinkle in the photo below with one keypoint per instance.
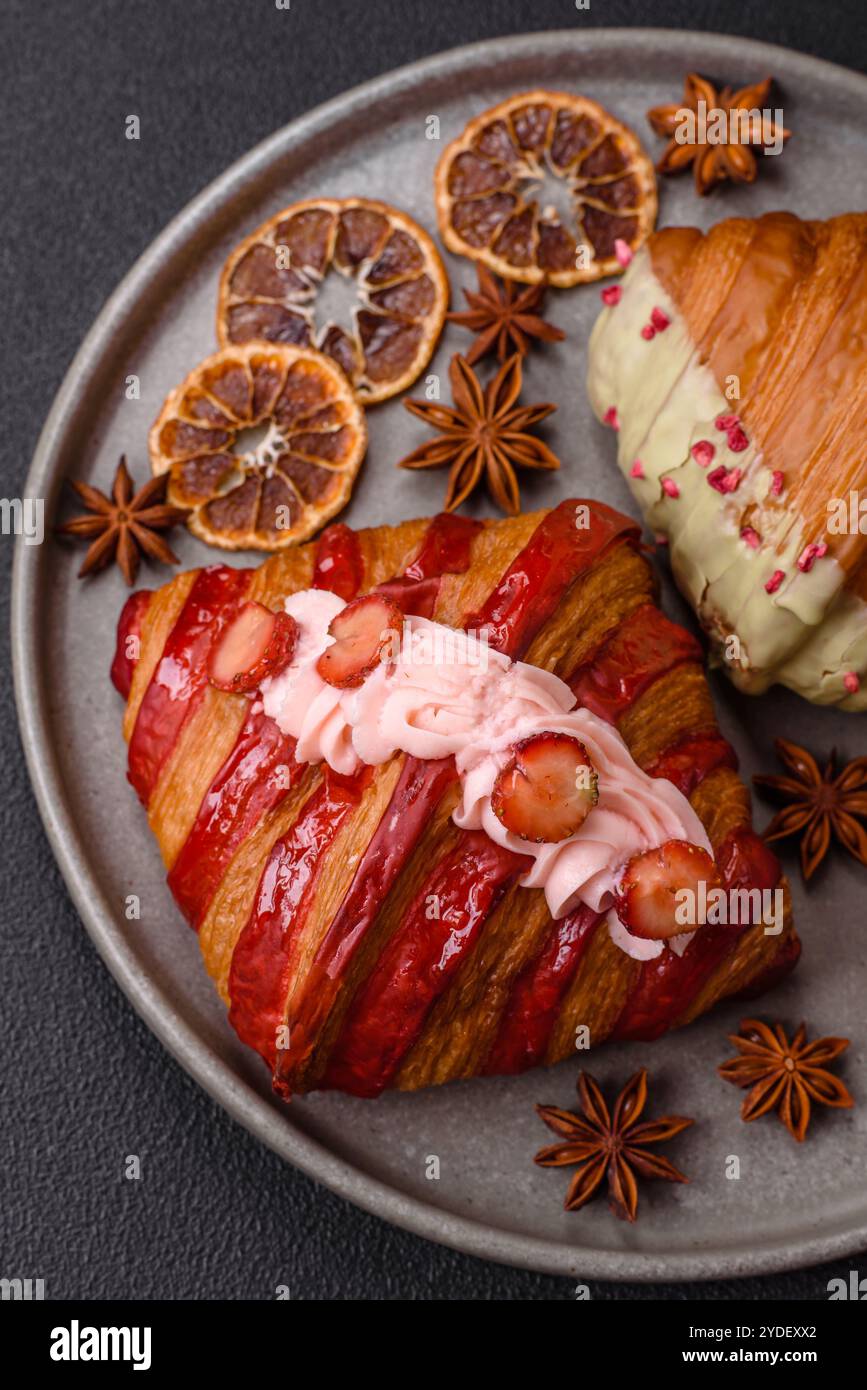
x,y
670,488
703,452
623,252
648,332
775,581
611,418
851,682
776,483
726,422
725,479
737,440
637,469
659,320
611,296
810,554
751,536
659,539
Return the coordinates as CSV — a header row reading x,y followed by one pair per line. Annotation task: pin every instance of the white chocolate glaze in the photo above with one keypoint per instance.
x,y
811,632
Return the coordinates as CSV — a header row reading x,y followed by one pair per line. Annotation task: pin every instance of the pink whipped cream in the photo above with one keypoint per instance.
x,y
447,694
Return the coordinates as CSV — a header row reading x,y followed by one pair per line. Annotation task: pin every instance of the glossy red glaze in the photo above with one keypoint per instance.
x,y
253,780
644,647
419,788
415,596
538,993
338,564
127,650
179,680
745,861
262,955
558,551
419,962
688,762
446,547
665,987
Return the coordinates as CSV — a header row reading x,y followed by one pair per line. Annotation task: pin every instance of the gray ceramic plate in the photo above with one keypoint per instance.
x,y
789,1206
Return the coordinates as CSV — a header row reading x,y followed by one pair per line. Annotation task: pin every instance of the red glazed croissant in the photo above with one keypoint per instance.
x,y
312,888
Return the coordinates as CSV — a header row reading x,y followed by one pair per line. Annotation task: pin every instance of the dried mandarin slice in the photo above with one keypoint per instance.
x,y
273,284
262,442
541,186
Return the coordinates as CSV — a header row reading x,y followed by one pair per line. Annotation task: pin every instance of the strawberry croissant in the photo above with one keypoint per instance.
x,y
435,796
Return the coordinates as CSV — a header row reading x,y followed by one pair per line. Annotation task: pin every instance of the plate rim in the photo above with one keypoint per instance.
x,y
152,1003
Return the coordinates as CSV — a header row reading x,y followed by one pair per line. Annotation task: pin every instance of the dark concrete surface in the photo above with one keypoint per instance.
x,y
83,1081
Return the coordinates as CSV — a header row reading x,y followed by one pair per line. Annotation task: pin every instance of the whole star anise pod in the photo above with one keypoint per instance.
x,y
819,804
123,526
505,317
730,159
785,1076
613,1145
483,433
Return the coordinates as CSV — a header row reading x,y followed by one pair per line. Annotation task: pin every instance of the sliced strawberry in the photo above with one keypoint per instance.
x,y
646,900
363,631
546,792
256,644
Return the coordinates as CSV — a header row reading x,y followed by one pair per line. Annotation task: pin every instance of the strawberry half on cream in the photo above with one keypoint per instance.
x,y
257,643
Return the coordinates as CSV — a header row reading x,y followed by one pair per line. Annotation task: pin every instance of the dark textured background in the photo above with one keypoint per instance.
x,y
83,1081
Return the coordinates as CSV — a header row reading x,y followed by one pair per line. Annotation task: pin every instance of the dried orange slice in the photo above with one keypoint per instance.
x,y
262,442
541,186
271,288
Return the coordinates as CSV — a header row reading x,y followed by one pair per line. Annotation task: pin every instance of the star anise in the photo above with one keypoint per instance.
x,y
505,317
819,803
732,158
785,1076
484,432
613,1145
123,526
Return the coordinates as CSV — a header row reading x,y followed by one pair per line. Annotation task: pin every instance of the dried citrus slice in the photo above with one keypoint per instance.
x,y
262,442
541,186
272,287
